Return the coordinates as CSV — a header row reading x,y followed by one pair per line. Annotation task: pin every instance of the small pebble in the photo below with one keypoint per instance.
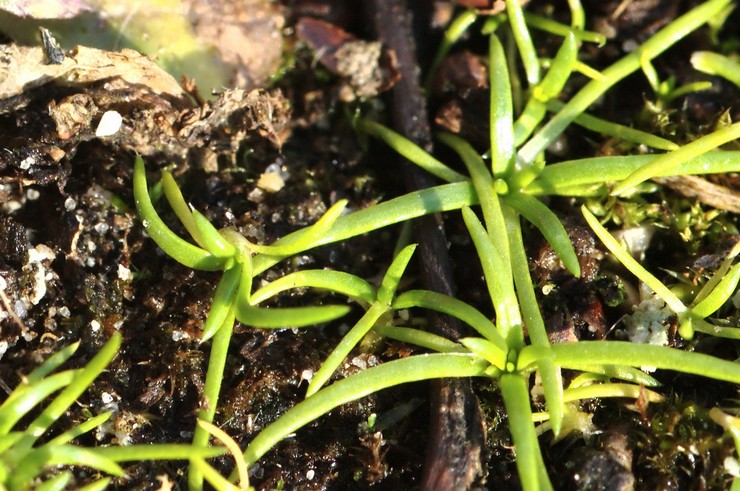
x,y
109,124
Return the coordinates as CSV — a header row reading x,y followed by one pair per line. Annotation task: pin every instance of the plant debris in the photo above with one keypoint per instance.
x,y
367,68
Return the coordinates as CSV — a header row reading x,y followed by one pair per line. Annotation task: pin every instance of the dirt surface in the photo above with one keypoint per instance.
x,y
75,263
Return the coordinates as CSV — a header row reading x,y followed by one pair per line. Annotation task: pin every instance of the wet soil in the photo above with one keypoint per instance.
x,y
75,264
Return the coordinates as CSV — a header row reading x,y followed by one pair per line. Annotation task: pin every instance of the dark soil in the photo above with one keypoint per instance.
x,y
76,264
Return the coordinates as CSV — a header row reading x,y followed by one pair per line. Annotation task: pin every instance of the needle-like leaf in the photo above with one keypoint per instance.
x,y
549,225
180,250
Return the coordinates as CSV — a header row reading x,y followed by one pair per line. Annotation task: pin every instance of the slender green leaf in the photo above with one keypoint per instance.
x,y
493,22
211,391
628,374
439,302
411,151
596,391
80,429
211,475
420,338
620,131
724,290
47,456
561,177
18,406
418,203
548,25
161,451
586,70
72,392
549,225
287,317
527,299
180,250
56,483
651,74
684,90
578,15
523,41
392,277
490,352
551,85
515,391
499,281
234,450
181,208
279,318
569,355
212,240
721,272
501,111
50,364
552,383
335,281
670,161
291,245
457,28
489,200
717,64
712,329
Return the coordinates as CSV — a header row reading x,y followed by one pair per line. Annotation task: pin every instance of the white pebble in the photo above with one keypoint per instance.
x,y
306,375
27,163
20,309
70,204
109,124
124,273
180,335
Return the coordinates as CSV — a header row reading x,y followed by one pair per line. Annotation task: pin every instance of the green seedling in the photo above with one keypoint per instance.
x,y
230,252
21,460
24,462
